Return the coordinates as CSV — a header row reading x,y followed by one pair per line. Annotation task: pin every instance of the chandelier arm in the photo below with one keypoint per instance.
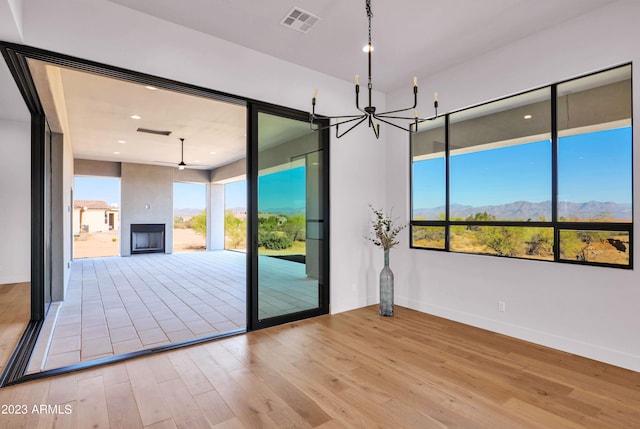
x,y
392,124
396,111
358,99
408,118
347,120
338,134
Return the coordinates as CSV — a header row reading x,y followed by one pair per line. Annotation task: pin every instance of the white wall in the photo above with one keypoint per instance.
x,y
15,201
109,33
588,311
11,20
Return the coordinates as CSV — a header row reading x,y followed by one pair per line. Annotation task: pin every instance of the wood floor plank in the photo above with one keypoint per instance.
x,y
121,406
92,403
151,404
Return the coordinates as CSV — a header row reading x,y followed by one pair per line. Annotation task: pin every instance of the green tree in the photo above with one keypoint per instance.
x,y
295,227
235,230
503,240
199,223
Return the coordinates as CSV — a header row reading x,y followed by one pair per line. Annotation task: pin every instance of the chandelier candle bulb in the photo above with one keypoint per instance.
x,y
415,81
315,93
357,80
435,97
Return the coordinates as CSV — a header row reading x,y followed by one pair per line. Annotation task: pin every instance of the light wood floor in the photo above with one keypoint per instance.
x,y
15,312
353,369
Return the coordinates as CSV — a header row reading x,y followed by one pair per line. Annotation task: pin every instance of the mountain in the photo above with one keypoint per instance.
x,y
186,212
525,210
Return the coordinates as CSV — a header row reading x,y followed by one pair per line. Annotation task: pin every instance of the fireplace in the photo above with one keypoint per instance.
x,y
147,238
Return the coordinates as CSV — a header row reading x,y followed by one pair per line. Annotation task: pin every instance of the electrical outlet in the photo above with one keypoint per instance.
x,y
502,306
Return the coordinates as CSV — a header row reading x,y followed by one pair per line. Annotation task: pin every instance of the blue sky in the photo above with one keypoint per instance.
x,y
282,190
594,166
189,195
97,188
235,194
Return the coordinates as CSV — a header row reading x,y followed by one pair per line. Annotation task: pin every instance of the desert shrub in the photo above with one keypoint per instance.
x,y
199,223
235,229
274,240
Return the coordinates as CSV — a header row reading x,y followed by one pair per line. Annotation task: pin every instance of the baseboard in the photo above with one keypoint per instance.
x,y
569,345
14,278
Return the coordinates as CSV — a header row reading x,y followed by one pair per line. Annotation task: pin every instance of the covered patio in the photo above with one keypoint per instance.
x,y
118,305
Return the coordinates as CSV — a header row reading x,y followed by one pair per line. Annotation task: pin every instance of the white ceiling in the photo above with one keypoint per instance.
x,y
95,111
410,37
423,36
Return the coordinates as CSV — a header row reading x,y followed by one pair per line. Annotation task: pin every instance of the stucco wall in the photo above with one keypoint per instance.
x,y
146,196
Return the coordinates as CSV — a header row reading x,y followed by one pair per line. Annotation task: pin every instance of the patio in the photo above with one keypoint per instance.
x,y
117,305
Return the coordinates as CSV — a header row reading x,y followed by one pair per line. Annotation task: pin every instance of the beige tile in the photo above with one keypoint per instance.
x,y
62,359
93,332
123,334
66,344
67,330
127,346
151,336
98,346
145,323
170,325
182,335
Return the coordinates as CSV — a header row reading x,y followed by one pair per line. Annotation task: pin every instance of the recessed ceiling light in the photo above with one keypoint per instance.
x,y
122,141
197,160
528,116
116,153
136,117
212,153
151,88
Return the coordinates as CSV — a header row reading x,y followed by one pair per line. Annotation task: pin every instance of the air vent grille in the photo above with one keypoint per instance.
x,y
157,132
300,20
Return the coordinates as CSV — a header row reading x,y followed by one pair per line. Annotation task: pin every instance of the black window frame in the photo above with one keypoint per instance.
x,y
554,223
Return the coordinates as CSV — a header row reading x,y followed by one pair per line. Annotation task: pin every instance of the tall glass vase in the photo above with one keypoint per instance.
x,y
386,288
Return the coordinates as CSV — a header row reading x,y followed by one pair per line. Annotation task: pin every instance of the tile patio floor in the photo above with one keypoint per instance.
x,y
117,305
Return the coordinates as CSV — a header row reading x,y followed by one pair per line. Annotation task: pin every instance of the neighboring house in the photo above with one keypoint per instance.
x,y
94,216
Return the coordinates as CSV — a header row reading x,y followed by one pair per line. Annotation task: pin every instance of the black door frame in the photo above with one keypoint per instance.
x,y
253,321
16,57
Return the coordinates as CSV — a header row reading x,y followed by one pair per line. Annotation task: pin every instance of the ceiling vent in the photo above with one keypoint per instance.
x,y
156,132
300,20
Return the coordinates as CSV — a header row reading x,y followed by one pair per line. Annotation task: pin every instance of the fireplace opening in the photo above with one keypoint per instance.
x,y
147,238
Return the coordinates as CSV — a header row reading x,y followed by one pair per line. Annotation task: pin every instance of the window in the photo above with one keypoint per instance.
x,y
511,178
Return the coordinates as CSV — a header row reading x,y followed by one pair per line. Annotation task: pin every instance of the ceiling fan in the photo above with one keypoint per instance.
x,y
182,165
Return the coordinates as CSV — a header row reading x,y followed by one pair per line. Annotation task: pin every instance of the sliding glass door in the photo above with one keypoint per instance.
x,y
290,227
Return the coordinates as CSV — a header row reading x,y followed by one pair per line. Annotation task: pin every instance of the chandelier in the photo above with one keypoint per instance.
x,y
368,113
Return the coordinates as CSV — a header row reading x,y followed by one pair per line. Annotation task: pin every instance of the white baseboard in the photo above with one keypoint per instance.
x,y
569,345
14,278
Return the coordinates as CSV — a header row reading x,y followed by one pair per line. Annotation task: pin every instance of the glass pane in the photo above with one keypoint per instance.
x,y
235,215
513,241
501,159
595,148
428,237
428,196
610,247
290,223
